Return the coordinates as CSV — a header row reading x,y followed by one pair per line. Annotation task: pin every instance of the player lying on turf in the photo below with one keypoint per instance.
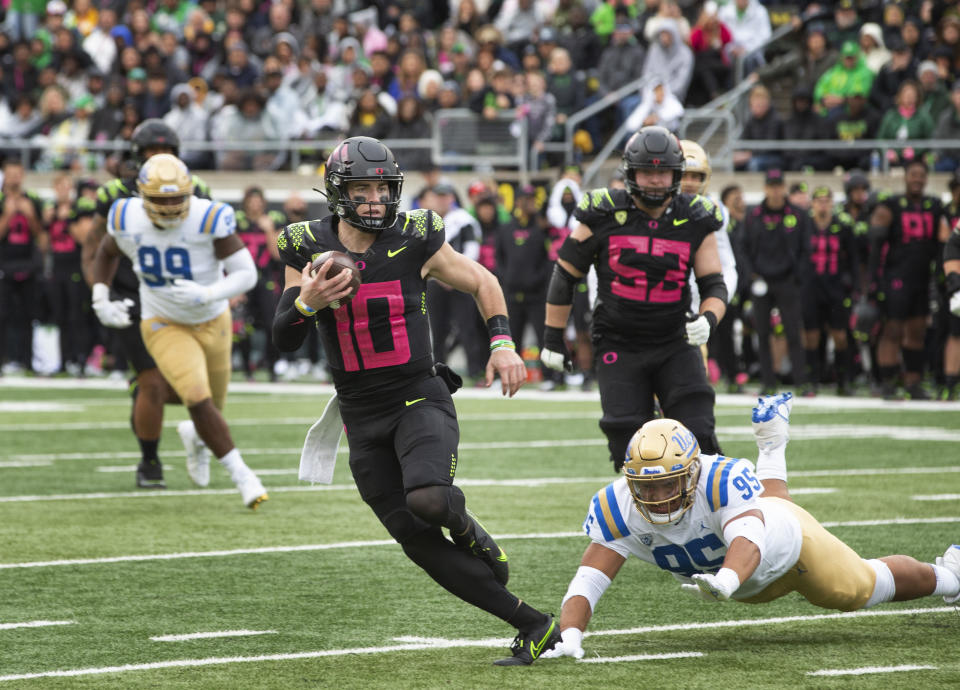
x,y
703,519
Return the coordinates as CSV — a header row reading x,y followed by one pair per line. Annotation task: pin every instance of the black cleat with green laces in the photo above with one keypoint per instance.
x,y
528,646
478,542
150,475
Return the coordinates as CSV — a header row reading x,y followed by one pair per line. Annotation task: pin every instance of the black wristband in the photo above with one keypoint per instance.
x,y
952,283
498,324
711,319
553,338
290,327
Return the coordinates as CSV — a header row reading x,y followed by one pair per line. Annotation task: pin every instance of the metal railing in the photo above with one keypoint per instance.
x,y
462,137
838,146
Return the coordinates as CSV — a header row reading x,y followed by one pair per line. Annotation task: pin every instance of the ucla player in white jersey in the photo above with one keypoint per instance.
x,y
180,246
703,519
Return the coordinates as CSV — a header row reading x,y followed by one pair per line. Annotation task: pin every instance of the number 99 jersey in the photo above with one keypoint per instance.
x,y
727,487
160,256
378,343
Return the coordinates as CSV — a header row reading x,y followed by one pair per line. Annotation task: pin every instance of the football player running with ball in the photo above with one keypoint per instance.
x,y
180,246
727,532
394,400
643,240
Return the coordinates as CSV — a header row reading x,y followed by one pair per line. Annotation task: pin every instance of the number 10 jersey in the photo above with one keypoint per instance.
x,y
378,343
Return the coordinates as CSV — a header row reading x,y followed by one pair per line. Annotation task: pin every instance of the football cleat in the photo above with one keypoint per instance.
x,y
951,561
150,475
771,420
198,456
252,491
528,646
479,543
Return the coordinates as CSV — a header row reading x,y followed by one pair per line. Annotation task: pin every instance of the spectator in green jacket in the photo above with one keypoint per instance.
x,y
848,75
906,120
936,98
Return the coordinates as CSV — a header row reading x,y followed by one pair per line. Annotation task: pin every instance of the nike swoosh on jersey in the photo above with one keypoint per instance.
x,y
680,221
393,252
414,402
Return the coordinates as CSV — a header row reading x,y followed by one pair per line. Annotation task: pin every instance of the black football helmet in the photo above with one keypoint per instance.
x,y
362,158
153,133
657,148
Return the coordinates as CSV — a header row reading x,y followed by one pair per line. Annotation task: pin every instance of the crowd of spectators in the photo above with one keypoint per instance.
x,y
232,71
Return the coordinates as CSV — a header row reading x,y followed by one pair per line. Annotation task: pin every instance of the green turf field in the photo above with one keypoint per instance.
x,y
91,569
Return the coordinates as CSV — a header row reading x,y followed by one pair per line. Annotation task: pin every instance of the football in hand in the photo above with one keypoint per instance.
x,y
341,262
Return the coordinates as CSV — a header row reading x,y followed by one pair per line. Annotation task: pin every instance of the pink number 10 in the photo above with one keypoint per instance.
x,y
359,327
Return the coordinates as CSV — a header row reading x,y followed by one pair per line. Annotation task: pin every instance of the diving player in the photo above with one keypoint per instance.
x,y
727,532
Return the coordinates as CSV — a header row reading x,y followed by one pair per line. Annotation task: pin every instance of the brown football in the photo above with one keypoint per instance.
x,y
341,262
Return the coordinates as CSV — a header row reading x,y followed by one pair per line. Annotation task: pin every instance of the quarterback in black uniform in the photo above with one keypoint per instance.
x,y
151,390
904,232
642,242
394,399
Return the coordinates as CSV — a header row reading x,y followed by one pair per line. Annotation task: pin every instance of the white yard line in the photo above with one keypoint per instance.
x,y
440,643
390,542
33,624
210,635
638,657
868,669
937,497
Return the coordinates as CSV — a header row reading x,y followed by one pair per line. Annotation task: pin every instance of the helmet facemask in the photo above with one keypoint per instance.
x,y
662,469
350,201
166,187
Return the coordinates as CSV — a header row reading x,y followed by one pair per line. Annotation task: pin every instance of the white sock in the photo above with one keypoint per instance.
x,y
234,464
885,587
947,583
772,464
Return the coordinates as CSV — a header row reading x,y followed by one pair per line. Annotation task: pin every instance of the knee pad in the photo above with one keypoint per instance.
x,y
438,505
885,587
403,525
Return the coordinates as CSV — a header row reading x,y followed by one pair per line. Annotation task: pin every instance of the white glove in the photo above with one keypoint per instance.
x,y
710,587
554,360
190,291
569,645
112,314
698,330
955,304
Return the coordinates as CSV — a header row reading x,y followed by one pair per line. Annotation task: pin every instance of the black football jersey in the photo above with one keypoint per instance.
x,y
379,341
17,247
643,263
833,251
125,281
912,239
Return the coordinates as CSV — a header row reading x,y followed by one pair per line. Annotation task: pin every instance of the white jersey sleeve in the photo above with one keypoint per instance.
x,y
728,262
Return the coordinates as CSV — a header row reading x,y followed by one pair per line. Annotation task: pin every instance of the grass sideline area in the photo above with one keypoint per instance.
x,y
106,586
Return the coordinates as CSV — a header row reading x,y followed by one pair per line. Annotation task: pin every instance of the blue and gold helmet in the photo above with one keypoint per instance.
x,y
662,468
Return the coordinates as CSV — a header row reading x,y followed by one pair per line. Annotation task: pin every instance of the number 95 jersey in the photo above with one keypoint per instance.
x,y
160,256
378,343
727,487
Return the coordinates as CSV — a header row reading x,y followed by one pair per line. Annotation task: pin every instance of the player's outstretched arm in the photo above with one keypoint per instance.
x,y
598,567
466,275
90,245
